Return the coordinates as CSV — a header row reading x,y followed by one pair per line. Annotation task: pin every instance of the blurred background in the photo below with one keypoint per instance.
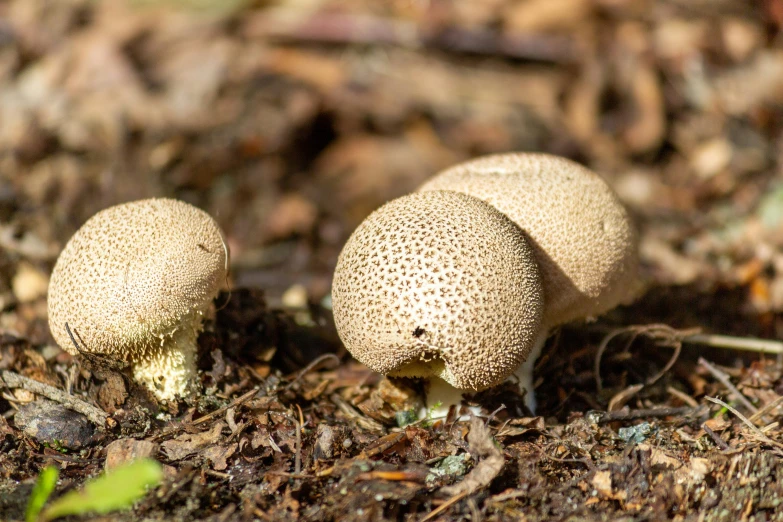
x,y
290,121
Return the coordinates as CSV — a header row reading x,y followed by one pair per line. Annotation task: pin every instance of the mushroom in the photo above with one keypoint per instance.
x,y
439,285
581,235
133,284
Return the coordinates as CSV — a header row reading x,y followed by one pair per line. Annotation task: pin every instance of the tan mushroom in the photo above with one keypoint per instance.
x,y
582,237
439,285
134,283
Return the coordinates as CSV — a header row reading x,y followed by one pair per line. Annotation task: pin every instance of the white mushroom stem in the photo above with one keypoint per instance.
x,y
169,372
524,373
441,395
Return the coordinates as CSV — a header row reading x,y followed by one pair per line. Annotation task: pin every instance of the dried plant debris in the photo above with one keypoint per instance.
x,y
290,123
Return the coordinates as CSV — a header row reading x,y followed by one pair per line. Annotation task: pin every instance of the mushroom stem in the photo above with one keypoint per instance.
x,y
441,396
169,371
524,373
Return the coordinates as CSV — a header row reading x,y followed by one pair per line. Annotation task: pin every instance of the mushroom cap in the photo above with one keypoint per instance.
x,y
438,283
134,275
582,236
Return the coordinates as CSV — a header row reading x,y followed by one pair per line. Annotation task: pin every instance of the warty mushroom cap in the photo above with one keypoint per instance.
x,y
438,284
582,236
134,282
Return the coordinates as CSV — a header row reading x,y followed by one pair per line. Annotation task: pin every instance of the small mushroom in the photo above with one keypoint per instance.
x,y
439,285
133,284
582,237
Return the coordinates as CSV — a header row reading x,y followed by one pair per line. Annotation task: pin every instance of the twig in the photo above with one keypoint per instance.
x,y
325,472
315,363
394,476
726,381
673,359
218,474
694,336
381,445
299,428
492,415
765,410
586,462
613,416
599,384
236,402
684,397
220,411
443,507
291,475
364,422
757,432
59,457
661,334
621,398
341,29
96,415
747,344
715,437
675,338
510,495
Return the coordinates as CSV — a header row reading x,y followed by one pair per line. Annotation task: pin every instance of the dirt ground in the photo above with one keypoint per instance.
x,y
289,121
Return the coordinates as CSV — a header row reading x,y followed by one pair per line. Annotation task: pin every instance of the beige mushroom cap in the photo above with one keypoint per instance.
x,y
438,284
134,281
581,234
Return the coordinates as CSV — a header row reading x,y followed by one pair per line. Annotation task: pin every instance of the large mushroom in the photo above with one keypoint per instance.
x,y
133,284
439,285
582,237
583,245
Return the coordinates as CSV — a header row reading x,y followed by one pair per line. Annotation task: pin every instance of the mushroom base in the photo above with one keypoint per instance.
x,y
441,395
524,373
169,371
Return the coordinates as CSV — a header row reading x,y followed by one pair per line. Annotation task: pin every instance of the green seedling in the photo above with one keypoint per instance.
x,y
116,490
43,488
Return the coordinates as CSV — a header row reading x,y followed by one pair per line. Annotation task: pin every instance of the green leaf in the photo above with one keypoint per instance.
x,y
44,486
117,489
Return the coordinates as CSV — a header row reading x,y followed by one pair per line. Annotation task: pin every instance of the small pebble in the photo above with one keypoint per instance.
x,y
55,425
127,450
636,434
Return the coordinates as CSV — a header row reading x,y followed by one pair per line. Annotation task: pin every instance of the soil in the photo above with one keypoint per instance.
x,y
289,122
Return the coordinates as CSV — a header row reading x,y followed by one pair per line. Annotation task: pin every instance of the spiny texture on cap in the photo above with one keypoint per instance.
x,y
582,237
134,277
438,283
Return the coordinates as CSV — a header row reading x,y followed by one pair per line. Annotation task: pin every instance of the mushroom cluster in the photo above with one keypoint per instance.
x,y
133,284
462,281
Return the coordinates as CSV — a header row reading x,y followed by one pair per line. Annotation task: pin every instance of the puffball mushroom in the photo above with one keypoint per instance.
x,y
439,285
582,237
134,283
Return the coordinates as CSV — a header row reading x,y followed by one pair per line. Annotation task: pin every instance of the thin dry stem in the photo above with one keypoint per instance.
x,y
726,381
96,415
747,344
756,432
765,410
661,334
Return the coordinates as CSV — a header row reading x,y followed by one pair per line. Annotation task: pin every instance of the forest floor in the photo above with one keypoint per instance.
x,y
290,122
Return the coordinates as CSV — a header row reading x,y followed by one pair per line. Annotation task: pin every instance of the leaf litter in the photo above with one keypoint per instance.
x,y
290,125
